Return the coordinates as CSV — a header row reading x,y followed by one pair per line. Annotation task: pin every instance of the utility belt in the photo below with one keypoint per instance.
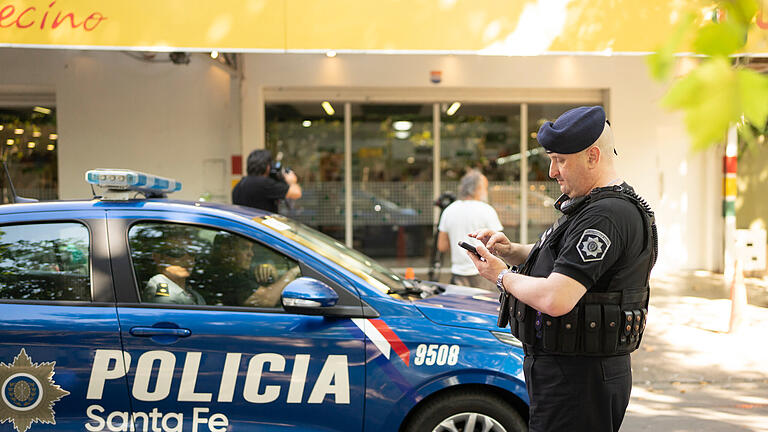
x,y
606,323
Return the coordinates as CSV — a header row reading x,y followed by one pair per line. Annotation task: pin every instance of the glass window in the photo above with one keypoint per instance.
x,y
485,137
181,264
392,170
45,262
311,143
378,275
29,143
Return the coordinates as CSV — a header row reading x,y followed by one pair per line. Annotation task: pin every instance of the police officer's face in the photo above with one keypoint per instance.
x,y
178,266
243,255
570,172
175,259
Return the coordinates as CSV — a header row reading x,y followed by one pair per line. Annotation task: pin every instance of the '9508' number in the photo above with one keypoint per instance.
x,y
435,354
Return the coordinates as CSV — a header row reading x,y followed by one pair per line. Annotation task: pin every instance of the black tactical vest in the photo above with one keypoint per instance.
x,y
601,323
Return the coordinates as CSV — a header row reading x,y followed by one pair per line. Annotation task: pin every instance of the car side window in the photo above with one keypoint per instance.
x,y
182,264
48,261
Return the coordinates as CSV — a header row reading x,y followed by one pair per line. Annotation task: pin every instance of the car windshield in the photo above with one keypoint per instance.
x,y
378,275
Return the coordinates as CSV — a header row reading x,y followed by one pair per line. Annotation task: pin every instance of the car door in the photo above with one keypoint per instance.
x,y
57,320
208,351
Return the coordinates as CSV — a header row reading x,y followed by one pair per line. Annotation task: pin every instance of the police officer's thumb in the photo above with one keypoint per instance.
x,y
484,252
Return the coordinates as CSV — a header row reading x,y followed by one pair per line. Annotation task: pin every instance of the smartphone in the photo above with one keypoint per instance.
x,y
470,248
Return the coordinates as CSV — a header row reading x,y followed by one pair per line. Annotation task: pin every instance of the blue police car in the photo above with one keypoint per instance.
x,y
133,313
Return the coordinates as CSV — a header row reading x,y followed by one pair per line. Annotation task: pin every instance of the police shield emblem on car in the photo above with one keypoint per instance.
x,y
28,392
208,317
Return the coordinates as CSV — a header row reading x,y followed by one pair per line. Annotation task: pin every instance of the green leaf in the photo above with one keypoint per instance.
x,y
715,96
660,65
709,100
684,92
721,39
753,92
748,138
739,12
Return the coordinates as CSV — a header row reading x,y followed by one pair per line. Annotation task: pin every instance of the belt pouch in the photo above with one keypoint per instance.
x,y
644,313
638,319
626,330
549,332
592,321
568,324
524,325
513,316
611,327
503,319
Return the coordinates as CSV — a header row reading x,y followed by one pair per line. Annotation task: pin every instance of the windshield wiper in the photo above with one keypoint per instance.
x,y
406,290
417,288
431,288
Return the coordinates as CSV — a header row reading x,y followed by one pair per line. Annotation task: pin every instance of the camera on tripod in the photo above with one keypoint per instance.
x,y
278,171
444,200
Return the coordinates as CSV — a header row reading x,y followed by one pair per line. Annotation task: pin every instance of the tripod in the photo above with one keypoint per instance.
x,y
435,256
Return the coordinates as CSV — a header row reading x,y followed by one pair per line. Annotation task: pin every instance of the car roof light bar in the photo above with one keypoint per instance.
x,y
123,184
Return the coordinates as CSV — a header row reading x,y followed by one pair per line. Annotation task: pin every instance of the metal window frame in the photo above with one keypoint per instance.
x,y
435,96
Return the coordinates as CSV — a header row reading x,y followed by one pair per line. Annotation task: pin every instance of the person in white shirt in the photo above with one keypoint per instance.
x,y
466,215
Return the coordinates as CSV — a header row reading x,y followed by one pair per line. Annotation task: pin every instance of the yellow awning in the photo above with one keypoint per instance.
x,y
502,27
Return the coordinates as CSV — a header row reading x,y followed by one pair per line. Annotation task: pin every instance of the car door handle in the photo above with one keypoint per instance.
x,y
158,331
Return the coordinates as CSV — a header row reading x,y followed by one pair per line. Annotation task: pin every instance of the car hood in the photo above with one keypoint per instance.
x,y
462,307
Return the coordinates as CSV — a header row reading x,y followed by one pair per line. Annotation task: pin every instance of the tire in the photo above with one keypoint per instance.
x,y
468,411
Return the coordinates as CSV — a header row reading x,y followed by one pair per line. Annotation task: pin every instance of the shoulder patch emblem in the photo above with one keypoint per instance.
x,y
162,290
593,245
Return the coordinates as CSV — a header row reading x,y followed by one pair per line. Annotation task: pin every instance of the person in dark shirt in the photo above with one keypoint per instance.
x,y
241,281
259,190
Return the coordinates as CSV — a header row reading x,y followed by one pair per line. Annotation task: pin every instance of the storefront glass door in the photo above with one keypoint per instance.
x,y
310,141
487,138
392,172
28,145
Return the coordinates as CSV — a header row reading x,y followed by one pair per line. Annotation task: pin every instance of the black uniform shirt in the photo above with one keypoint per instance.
x,y
259,192
601,240
598,242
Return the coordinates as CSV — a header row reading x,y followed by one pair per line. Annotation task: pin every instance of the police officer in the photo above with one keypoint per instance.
x,y
162,289
578,300
174,263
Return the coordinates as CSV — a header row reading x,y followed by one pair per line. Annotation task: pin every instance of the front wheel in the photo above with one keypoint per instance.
x,y
467,412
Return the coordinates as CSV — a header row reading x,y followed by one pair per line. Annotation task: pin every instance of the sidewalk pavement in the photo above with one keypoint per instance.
x,y
690,374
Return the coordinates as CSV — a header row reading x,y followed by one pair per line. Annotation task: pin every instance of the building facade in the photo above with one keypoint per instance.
x,y
394,142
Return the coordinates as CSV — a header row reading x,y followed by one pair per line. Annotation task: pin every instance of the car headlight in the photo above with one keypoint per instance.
x,y
507,338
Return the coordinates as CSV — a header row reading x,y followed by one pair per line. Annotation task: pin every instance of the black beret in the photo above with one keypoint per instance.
x,y
573,131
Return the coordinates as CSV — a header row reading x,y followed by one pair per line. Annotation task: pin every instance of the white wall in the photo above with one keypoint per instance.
x,y
654,155
114,111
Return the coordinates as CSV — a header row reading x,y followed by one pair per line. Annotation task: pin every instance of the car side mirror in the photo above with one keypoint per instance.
x,y
306,295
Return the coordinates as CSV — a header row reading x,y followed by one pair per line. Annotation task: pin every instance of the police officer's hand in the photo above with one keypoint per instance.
x,y
490,266
496,242
269,296
265,273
